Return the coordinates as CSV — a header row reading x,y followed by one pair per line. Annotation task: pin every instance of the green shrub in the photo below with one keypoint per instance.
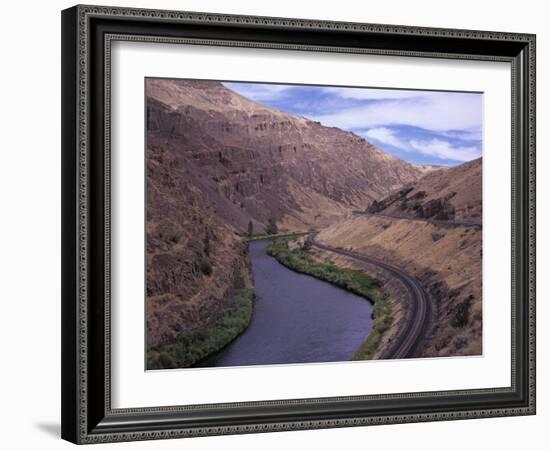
x,y
271,227
166,360
202,265
460,314
206,267
190,348
206,243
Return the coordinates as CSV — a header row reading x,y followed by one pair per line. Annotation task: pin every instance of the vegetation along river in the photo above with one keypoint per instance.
x,y
297,319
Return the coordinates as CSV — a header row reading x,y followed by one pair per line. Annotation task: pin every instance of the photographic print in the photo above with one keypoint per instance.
x,y
288,204
297,224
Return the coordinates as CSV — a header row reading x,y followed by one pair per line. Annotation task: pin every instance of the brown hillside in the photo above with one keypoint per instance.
x,y
444,194
194,261
255,162
446,258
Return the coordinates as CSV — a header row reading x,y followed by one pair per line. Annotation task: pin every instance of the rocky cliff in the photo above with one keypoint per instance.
x,y
194,261
255,163
444,194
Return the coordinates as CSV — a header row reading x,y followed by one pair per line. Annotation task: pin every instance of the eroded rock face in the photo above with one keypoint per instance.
x,y
255,163
438,209
380,205
194,261
444,194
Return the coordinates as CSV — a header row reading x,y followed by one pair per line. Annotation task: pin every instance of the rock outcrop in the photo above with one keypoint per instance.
x,y
194,261
444,194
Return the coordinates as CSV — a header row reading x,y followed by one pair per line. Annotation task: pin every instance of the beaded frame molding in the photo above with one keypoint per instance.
x,y
87,35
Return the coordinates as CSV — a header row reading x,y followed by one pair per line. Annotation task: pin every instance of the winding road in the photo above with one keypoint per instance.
x,y
466,223
419,313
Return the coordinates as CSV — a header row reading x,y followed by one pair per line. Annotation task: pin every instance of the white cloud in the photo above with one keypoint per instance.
x,y
475,134
431,111
374,94
386,136
437,148
445,150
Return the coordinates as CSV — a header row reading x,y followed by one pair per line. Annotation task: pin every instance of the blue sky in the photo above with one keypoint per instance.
x,y
422,127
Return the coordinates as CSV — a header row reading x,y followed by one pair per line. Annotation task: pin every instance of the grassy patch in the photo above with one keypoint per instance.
x,y
356,281
256,237
190,348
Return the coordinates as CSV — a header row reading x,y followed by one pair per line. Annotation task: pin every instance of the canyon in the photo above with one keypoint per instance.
x,y
221,168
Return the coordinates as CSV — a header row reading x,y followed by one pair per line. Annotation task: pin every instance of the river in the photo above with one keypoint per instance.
x,y
297,319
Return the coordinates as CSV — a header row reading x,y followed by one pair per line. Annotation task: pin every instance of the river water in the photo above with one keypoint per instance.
x,y
297,319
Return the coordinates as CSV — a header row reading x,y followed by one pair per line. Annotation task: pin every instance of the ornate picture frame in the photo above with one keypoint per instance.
x,y
88,33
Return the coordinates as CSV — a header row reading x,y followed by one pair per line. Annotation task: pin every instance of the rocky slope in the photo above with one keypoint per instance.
x,y
446,258
255,163
194,262
445,194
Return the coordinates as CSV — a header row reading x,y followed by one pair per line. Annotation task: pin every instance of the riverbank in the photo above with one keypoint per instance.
x,y
257,237
190,348
356,281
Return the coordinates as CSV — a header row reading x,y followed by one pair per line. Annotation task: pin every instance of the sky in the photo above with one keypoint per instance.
x,y
422,127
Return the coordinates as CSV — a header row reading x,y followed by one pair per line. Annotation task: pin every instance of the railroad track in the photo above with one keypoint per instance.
x,y
419,311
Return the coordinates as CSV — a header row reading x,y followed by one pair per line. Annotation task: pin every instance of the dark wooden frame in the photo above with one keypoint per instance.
x,y
87,32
